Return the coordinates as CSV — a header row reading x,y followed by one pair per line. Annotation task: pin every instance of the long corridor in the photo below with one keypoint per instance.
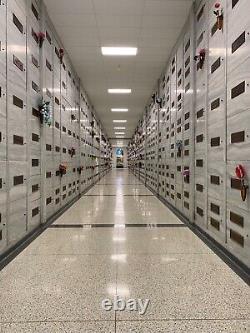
x,y
119,239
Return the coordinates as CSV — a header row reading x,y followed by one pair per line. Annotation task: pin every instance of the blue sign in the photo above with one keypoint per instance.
x,y
119,152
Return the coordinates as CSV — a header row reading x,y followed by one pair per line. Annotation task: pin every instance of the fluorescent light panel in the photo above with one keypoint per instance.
x,y
119,91
119,51
119,133
119,121
119,110
119,128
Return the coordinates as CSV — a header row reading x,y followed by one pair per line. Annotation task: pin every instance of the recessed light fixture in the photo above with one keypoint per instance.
x,y
120,137
119,110
119,121
119,91
119,51
119,133
119,128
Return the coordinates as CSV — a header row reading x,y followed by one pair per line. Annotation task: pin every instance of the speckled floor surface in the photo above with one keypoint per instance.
x,y
57,284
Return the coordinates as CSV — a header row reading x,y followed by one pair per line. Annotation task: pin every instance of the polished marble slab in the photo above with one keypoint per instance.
x,y
120,240
184,326
59,327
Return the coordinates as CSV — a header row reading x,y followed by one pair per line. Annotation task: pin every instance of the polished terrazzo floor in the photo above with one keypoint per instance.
x,y
57,283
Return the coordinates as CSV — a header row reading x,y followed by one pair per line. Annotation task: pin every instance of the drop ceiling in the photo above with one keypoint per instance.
x,y
151,25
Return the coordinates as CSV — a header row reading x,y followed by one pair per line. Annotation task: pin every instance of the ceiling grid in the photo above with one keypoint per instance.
x,y
152,26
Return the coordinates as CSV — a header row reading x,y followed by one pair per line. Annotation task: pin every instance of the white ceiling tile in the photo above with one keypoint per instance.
x,y
67,7
157,33
115,61
118,21
116,40
78,33
74,20
153,57
144,52
147,67
163,22
157,42
77,55
120,35
71,41
167,7
119,7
